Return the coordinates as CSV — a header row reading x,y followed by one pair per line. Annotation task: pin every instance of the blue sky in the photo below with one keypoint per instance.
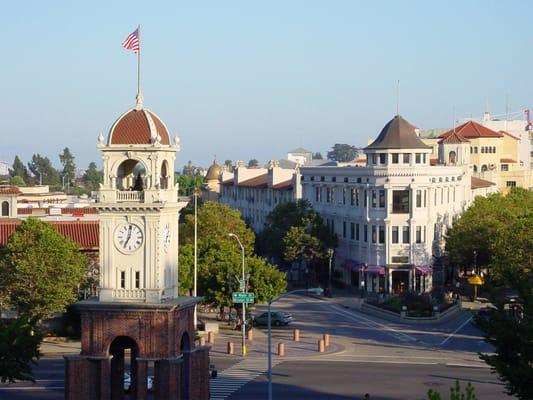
x,y
249,79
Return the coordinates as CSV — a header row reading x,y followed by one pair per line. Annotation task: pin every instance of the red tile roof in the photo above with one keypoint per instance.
x,y
9,190
85,233
134,128
286,185
453,138
64,210
507,160
472,130
260,181
478,183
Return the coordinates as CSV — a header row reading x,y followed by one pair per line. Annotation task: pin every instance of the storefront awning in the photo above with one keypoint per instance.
x,y
375,269
423,270
352,265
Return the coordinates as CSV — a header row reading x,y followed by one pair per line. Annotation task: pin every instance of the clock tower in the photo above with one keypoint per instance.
x,y
138,326
138,207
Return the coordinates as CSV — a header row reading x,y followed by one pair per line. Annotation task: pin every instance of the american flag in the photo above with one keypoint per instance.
x,y
132,41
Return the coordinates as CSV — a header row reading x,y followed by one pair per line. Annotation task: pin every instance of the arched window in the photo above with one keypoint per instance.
x,y
483,149
452,157
163,180
494,149
475,149
131,175
475,168
5,209
484,168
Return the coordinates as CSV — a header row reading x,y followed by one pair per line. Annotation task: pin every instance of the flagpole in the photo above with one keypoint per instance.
x,y
139,62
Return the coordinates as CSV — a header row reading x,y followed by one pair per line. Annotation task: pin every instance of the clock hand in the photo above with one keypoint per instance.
x,y
128,237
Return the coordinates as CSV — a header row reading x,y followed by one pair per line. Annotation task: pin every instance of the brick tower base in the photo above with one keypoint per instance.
x,y
159,336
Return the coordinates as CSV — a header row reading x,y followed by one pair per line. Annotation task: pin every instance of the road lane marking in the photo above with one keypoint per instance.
x,y
455,331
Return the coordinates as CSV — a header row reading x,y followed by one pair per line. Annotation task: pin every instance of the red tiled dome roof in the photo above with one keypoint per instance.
x,y
138,126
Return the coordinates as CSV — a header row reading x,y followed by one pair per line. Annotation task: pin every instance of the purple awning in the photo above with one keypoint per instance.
x,y
352,265
375,269
423,269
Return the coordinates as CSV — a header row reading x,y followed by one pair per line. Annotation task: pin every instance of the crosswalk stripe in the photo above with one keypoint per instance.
x,y
233,378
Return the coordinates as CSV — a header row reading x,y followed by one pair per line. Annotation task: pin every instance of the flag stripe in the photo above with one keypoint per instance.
x,y
132,41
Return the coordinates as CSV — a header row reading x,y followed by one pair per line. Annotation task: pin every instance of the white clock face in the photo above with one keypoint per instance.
x,y
166,236
129,237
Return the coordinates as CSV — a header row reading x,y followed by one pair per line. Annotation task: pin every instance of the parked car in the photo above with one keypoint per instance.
x,y
127,382
278,318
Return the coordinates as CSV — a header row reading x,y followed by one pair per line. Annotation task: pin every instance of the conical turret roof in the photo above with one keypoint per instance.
x,y
397,134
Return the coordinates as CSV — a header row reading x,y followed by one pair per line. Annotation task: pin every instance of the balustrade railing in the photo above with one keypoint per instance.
x,y
130,195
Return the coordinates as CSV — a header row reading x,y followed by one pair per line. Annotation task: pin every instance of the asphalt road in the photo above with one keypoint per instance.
x,y
387,360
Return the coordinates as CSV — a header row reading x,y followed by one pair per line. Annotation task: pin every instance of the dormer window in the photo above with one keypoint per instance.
x,y
382,158
406,158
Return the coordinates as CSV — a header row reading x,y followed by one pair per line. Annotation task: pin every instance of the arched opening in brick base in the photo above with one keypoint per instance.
x,y
124,351
185,348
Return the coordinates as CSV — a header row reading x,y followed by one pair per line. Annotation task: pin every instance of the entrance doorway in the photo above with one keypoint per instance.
x,y
400,282
124,352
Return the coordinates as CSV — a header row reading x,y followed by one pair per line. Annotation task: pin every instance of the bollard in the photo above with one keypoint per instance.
x,y
321,346
211,337
296,335
326,340
231,349
202,341
250,335
281,349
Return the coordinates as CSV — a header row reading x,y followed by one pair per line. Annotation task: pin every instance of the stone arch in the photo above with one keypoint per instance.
x,y
131,174
185,349
5,209
119,349
452,158
164,178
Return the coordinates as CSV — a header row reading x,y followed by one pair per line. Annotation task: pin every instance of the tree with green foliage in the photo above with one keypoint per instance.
x,y
253,163
219,256
40,270
343,153
500,228
69,166
42,169
16,180
92,178
18,169
317,156
20,341
455,393
189,184
300,246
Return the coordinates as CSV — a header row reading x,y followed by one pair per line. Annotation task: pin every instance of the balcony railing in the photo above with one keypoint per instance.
x,y
128,294
130,195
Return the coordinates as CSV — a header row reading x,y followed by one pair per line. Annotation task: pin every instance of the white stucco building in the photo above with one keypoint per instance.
x,y
391,214
255,192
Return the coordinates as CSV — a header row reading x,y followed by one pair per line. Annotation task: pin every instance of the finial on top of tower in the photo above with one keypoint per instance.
x,y
140,101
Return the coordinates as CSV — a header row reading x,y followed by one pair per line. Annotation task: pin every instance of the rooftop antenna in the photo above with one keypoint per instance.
x,y
398,97
454,119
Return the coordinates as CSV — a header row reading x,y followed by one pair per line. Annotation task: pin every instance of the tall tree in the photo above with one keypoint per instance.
x,y
253,163
317,156
69,166
92,177
18,169
42,169
40,270
229,165
343,153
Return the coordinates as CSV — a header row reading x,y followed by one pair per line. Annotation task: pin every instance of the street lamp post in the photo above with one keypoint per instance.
x,y
475,263
243,324
269,323
330,255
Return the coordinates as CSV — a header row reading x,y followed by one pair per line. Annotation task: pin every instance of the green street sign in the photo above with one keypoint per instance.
x,y
239,297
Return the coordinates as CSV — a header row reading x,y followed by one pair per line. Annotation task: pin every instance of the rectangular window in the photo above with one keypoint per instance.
x,y
365,199
505,167
406,158
424,158
374,233
317,194
425,193
374,199
419,198
510,183
418,237
382,234
365,233
357,232
400,201
344,229
328,195
352,196
357,197
343,195
405,234
123,279
352,231
395,234
382,158
395,158
137,280
382,199
418,158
